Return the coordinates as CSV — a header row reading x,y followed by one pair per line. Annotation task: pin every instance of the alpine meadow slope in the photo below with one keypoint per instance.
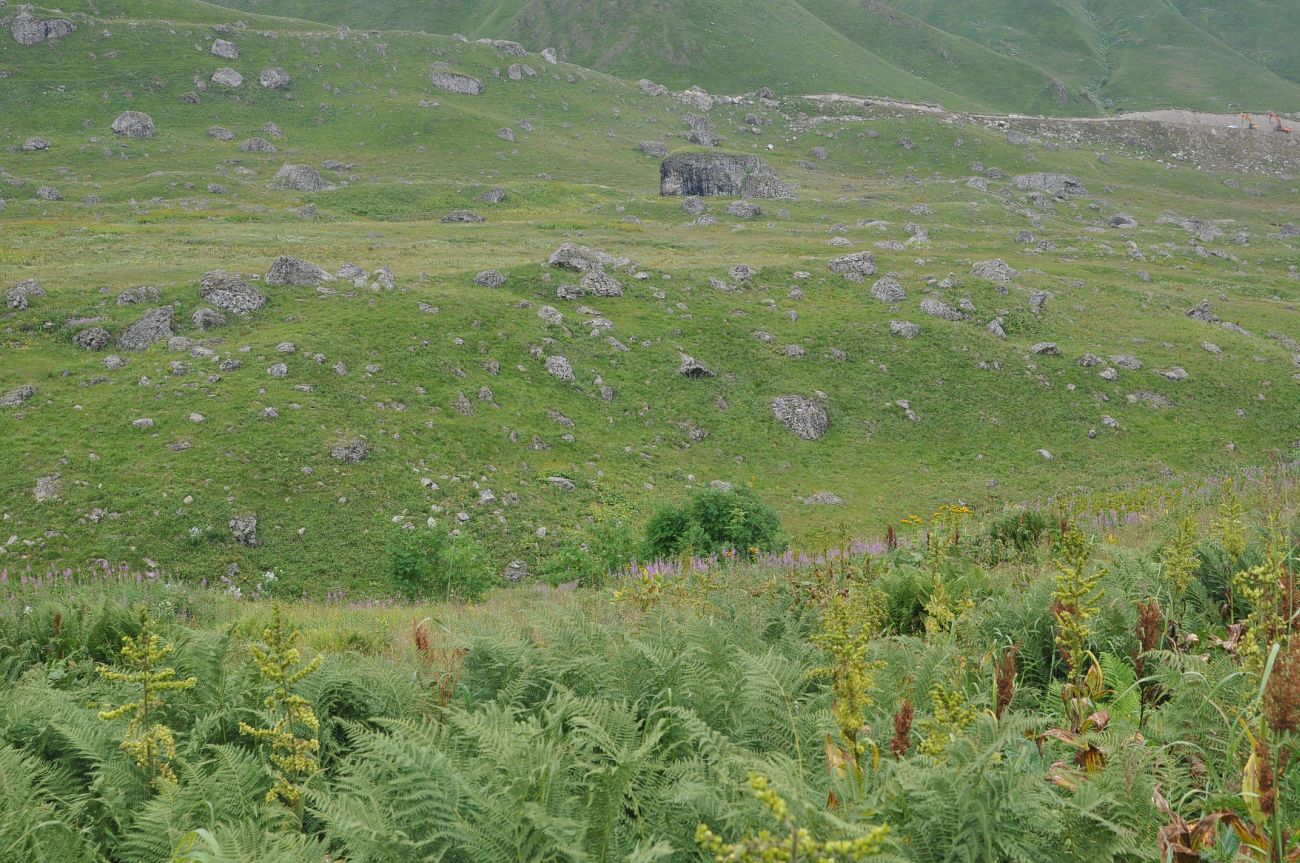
x,y
425,381
1059,57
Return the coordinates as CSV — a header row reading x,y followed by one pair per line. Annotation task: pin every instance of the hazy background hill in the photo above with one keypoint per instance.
x,y
1035,56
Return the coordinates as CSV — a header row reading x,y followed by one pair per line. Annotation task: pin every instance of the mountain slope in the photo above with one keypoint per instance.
x,y
444,375
1041,56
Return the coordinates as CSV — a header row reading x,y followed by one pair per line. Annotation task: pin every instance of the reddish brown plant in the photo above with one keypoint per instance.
x,y
1282,695
901,743
1004,679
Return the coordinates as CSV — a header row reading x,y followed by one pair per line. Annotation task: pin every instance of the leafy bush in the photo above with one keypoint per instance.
x,y
1017,534
609,546
430,562
712,521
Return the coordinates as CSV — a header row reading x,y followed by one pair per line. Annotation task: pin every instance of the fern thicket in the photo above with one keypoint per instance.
x,y
616,733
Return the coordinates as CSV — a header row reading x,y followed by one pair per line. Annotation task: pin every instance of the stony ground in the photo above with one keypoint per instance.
x,y
299,314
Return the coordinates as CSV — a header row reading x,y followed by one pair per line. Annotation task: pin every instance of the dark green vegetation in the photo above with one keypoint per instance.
x,y
713,522
1098,696
441,378
1035,56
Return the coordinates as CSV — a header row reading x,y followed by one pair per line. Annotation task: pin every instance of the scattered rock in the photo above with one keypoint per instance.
x,y
17,396
33,144
221,133
490,279
653,148
153,327
693,368
719,174
1177,373
854,267
227,77
206,319
1127,361
258,145
580,259
298,178
1150,399
279,371
888,290
49,193
137,295
1122,220
19,297
451,82
93,339
599,283
559,367
804,417
560,482
744,209
226,50
274,78
493,196
1046,349
243,529
27,29
823,498
351,451
939,309
462,216
905,329
46,489
294,271
230,291
996,270
1054,184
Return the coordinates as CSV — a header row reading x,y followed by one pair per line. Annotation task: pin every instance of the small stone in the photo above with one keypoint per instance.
x,y
243,529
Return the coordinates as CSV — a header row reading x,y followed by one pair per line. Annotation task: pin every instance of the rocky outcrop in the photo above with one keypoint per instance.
x,y
298,178
155,326
693,368
451,82
134,124
227,77
804,417
229,291
708,174
1054,184
274,78
20,295
855,266
294,271
27,29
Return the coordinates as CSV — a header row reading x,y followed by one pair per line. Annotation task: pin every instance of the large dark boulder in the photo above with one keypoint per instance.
x,y
719,174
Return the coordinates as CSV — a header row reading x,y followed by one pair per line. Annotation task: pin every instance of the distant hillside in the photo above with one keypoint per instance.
x,y
1078,57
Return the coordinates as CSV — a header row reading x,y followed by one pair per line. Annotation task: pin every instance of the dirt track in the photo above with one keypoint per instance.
x,y
1201,139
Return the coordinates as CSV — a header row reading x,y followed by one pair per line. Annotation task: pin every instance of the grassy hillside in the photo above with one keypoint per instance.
x,y
442,376
1057,57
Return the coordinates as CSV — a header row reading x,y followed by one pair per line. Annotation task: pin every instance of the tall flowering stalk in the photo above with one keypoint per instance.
x,y
147,740
291,728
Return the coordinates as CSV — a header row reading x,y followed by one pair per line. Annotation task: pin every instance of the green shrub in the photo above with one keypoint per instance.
x,y
1017,534
714,520
429,562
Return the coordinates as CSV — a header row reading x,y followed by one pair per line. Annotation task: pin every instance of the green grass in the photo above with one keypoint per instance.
x,y
575,178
